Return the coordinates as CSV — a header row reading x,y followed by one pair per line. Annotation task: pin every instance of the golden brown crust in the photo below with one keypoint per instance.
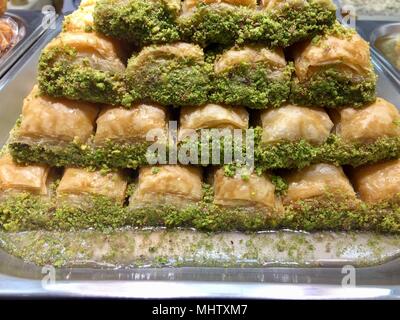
x,y
293,123
81,182
274,59
53,119
103,53
349,53
379,119
169,51
316,181
168,184
377,182
254,191
121,124
279,4
214,116
20,178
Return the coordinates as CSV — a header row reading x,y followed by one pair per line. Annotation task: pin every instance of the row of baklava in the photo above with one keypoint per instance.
x,y
141,22
62,132
317,197
332,71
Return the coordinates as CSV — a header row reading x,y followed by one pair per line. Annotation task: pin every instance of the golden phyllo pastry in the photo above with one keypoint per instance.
x,y
278,4
173,185
252,75
189,5
213,116
77,184
80,20
180,50
52,120
294,123
348,54
379,119
273,59
294,4
121,124
317,181
377,182
249,192
101,53
16,178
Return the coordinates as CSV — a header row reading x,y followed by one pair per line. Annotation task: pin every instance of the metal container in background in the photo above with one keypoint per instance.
x,y
371,30
378,34
29,31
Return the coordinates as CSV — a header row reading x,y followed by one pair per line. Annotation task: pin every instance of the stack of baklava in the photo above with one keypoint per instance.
x,y
93,147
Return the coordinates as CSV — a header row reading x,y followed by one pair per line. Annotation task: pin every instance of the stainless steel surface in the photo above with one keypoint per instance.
x,y
22,279
176,290
30,25
18,82
382,31
19,279
385,30
371,30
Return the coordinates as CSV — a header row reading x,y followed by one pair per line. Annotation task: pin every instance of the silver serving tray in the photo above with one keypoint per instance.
x,y
30,29
291,282
382,31
371,30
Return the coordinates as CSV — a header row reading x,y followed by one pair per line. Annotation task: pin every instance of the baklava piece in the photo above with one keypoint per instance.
x,y
171,185
252,76
319,182
123,136
17,178
141,22
292,137
121,125
52,120
367,124
83,66
280,23
52,131
212,131
216,21
78,185
212,116
292,20
364,135
334,70
249,192
173,74
293,123
378,182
